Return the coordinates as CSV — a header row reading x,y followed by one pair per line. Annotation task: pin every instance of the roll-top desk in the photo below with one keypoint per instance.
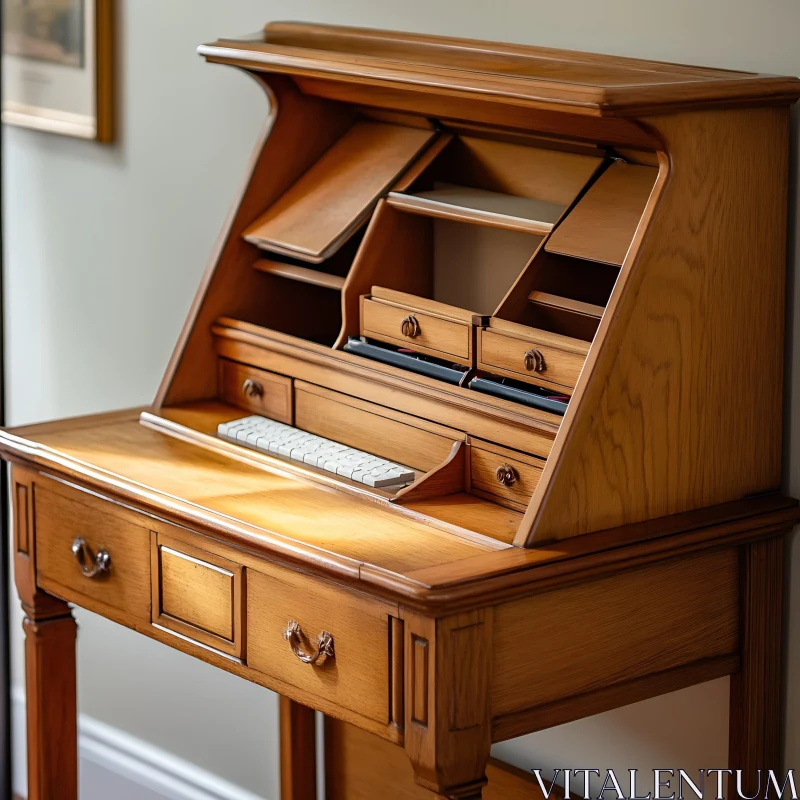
x,y
550,284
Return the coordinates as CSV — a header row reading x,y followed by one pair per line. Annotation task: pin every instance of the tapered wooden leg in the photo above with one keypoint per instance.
x,y
51,700
447,709
755,703
298,751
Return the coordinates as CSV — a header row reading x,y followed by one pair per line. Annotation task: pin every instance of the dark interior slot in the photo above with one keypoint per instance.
x,y
558,320
300,309
338,264
586,281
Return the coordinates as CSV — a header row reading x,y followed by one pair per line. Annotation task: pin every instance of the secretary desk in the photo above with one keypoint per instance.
x,y
550,284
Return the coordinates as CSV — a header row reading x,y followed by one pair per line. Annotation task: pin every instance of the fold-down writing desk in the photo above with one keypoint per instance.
x,y
551,285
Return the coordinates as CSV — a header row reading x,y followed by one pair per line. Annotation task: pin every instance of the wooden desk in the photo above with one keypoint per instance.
x,y
626,504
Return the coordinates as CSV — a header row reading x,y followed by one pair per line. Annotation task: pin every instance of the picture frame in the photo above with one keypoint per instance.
x,y
58,66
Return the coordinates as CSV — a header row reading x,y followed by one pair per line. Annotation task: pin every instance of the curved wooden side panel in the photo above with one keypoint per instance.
x,y
298,130
679,404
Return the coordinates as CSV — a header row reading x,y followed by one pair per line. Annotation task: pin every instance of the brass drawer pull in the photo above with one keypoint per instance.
x,y
409,327
251,388
534,361
506,474
294,635
91,566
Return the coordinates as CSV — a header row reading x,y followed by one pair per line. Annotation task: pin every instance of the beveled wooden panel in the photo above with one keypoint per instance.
x,y
197,593
602,224
322,209
486,458
505,354
614,629
256,390
21,518
63,514
444,338
358,676
372,428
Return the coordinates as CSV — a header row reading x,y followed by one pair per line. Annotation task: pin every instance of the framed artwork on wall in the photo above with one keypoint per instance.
x,y
58,66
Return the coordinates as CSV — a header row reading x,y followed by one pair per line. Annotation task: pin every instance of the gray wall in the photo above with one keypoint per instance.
x,y
105,247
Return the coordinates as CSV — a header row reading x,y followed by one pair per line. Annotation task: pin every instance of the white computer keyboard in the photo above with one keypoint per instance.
x,y
277,438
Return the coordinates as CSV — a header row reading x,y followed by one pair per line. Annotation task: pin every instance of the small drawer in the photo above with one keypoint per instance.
x,y
257,390
337,648
87,547
406,326
545,358
197,594
503,475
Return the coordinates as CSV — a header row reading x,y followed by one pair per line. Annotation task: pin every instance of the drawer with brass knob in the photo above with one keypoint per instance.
x,y
323,639
91,548
504,476
539,357
256,390
418,323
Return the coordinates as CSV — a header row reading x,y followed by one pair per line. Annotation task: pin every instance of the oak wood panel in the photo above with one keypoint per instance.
x,y
338,192
230,285
506,354
485,459
357,677
448,478
270,395
398,437
754,744
444,338
566,303
361,766
414,302
197,593
293,272
602,225
652,419
63,514
647,620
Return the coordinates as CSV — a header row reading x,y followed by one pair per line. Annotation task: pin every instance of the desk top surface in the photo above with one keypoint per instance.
x,y
353,539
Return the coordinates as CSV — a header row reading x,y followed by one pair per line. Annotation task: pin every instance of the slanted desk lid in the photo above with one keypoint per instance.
x,y
333,199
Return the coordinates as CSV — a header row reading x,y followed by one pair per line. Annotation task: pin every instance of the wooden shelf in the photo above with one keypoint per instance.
x,y
566,304
302,274
480,207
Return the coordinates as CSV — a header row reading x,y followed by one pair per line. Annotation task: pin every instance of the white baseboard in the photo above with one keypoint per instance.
x,y
116,764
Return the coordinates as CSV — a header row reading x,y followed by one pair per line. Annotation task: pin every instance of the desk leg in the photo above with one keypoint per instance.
x,y
755,703
51,699
447,709
298,751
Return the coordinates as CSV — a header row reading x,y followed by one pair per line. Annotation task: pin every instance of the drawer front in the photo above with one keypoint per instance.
x,y
516,480
441,337
63,516
372,428
357,675
197,594
257,390
508,354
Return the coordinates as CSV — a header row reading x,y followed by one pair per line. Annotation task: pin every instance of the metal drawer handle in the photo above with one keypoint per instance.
x,y
506,474
409,327
534,361
251,388
91,566
294,635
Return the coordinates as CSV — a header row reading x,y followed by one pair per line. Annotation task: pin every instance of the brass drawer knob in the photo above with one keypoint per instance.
x,y
91,566
534,361
506,474
409,327
251,388
294,635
